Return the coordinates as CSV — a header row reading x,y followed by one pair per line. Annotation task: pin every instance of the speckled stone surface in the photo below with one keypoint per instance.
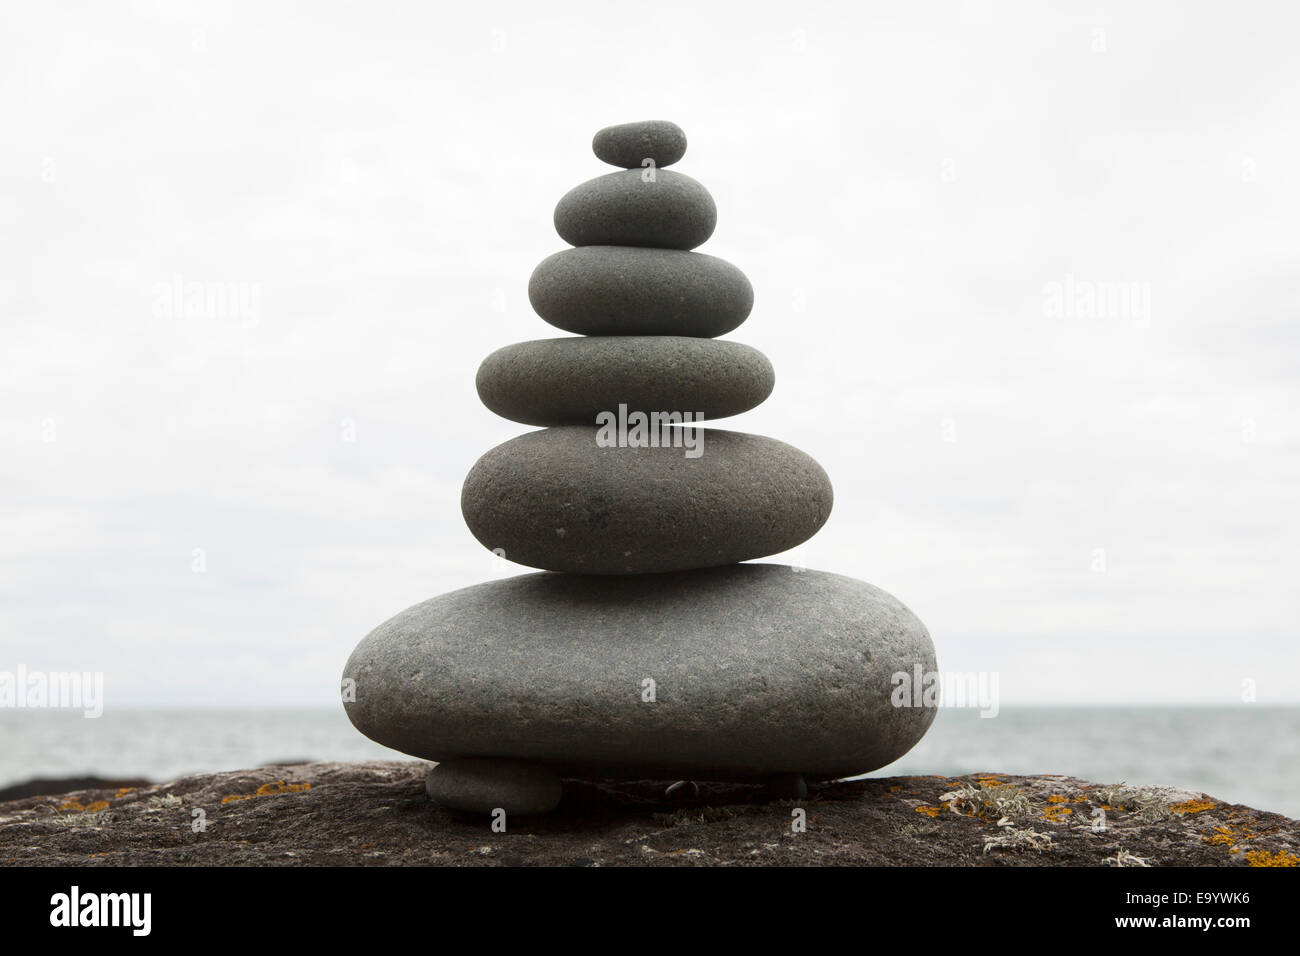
x,y
554,499
569,381
629,290
756,670
622,209
486,784
629,145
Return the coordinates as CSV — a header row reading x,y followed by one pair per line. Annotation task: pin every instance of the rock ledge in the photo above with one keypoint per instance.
x,y
377,813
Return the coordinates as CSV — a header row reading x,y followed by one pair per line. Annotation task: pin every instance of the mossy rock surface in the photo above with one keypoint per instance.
x,y
378,814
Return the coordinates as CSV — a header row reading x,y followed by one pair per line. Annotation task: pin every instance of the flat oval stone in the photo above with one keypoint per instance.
x,y
630,144
570,381
555,499
734,673
485,784
629,290
621,209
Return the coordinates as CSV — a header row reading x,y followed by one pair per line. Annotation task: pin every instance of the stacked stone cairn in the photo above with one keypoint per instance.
x,y
645,651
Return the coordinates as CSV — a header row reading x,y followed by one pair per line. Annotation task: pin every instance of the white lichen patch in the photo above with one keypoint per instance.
x,y
1018,840
96,819
1124,858
1147,804
997,800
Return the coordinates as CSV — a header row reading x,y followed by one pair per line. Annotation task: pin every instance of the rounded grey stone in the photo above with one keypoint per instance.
x,y
671,211
786,786
570,381
735,673
630,144
555,499
630,290
485,784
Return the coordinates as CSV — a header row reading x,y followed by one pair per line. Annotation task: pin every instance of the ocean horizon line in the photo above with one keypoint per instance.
x,y
323,708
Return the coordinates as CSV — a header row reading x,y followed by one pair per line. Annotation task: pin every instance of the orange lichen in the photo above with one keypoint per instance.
x,y
1229,836
1057,798
930,812
123,791
268,790
1057,814
1264,858
1193,806
75,805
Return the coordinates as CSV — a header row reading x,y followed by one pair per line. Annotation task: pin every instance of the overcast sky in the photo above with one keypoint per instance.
x,y
1094,497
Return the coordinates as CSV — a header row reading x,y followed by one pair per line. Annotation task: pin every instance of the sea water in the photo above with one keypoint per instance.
x,y
1245,754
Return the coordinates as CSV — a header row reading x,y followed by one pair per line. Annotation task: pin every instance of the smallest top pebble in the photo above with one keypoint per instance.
x,y
629,145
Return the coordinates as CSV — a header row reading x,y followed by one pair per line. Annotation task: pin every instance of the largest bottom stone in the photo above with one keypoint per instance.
x,y
727,673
